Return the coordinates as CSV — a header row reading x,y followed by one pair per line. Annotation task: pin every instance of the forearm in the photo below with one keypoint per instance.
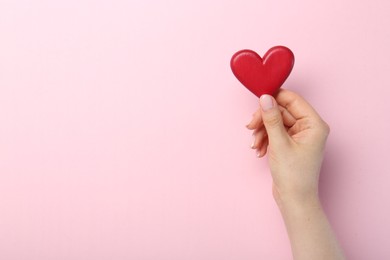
x,y
310,233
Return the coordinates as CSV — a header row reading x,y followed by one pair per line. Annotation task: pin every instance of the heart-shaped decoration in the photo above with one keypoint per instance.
x,y
263,75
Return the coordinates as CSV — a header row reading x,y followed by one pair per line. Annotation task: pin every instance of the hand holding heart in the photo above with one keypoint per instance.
x,y
295,136
285,125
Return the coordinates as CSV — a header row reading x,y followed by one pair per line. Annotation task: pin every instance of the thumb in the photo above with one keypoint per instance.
x,y
273,121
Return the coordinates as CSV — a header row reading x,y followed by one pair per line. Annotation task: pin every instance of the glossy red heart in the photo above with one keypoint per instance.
x,y
263,75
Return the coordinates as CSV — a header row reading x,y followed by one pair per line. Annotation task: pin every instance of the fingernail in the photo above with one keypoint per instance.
x,y
253,144
266,102
258,154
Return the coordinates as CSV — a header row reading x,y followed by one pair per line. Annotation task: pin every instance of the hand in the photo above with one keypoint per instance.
x,y
295,136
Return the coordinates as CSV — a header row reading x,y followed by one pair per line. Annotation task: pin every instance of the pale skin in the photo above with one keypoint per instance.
x,y
294,135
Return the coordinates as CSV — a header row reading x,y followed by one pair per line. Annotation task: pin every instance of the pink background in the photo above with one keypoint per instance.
x,y
122,127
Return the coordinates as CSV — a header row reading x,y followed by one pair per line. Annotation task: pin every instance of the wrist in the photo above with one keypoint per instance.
x,y
287,200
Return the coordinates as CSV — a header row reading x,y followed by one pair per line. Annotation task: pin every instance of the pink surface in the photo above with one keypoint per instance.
x,y
122,127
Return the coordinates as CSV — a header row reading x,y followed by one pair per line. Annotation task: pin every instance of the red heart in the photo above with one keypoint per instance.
x,y
263,75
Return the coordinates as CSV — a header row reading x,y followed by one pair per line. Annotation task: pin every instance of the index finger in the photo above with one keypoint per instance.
x,y
295,104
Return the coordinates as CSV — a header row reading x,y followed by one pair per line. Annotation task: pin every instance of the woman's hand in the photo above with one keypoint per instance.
x,y
295,136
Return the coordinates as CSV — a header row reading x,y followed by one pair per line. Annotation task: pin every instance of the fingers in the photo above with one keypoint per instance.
x,y
288,119
305,115
295,104
263,149
259,135
257,122
260,142
273,122
281,118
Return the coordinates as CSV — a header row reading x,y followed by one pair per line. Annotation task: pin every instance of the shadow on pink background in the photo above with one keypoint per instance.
x,y
122,127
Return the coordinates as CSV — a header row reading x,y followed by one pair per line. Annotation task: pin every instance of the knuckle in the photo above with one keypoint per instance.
x,y
273,120
325,128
